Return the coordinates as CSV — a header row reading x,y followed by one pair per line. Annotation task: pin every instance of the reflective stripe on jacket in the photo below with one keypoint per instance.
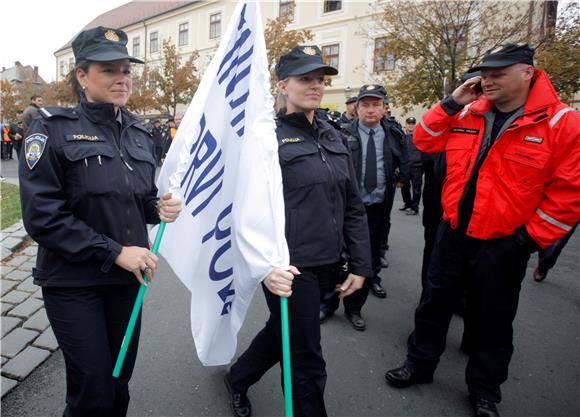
x,y
531,175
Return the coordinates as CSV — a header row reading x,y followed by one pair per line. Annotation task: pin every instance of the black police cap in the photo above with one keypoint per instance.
x,y
471,73
350,100
411,120
301,60
373,90
102,44
507,55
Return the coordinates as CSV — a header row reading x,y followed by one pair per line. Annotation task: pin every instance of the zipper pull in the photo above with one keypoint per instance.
x,y
86,163
127,165
99,159
320,152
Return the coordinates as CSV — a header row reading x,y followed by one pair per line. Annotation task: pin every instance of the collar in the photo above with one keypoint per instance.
x,y
367,129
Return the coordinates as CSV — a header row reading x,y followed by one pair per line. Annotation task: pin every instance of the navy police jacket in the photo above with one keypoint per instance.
x,y
395,150
87,189
322,203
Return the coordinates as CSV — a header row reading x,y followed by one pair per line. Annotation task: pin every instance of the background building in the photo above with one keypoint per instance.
x,y
346,32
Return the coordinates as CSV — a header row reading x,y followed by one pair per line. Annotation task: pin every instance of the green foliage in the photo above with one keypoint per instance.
x,y
434,40
9,205
559,55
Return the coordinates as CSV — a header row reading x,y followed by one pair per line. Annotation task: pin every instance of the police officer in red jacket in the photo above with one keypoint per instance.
x,y
512,186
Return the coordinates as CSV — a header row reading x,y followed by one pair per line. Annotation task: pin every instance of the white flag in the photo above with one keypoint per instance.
x,y
224,164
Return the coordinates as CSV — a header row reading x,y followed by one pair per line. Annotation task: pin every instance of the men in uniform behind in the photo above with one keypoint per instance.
x,y
377,147
411,203
157,135
350,113
512,186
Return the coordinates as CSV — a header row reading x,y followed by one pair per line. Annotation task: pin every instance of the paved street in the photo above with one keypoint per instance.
x,y
169,380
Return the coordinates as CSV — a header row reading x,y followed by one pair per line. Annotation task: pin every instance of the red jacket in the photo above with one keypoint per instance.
x,y
531,175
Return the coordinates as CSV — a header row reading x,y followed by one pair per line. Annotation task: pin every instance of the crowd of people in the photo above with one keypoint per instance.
x,y
497,170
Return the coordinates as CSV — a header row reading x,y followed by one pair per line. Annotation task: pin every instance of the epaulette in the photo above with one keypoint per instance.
x,y
52,112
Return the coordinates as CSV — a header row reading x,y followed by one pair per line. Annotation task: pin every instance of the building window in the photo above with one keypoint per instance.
x,y
62,68
215,25
332,5
137,46
71,63
287,9
330,55
383,60
183,34
154,42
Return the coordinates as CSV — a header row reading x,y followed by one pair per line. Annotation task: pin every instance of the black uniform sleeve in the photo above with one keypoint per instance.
x,y
46,215
356,229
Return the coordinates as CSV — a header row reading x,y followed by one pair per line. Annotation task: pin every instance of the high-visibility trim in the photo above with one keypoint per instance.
x,y
553,221
464,111
429,130
559,115
46,112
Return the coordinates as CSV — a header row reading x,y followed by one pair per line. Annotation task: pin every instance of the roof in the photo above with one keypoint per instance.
x,y
129,14
20,73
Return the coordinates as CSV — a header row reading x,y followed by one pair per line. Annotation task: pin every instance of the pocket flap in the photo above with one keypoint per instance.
x,y
527,156
141,155
80,150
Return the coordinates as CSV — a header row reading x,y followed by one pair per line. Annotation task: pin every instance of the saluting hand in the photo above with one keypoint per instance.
x,y
279,282
139,261
351,284
169,207
465,93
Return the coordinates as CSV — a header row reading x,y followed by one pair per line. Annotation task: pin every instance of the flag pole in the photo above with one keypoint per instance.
x,y
286,357
136,308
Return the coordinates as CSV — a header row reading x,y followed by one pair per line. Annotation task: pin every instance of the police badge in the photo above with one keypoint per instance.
x,y
33,148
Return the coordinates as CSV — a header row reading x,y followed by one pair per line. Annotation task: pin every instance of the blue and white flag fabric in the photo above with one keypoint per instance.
x,y
224,164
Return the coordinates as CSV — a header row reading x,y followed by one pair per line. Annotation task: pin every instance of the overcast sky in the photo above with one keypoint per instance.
x,y
32,30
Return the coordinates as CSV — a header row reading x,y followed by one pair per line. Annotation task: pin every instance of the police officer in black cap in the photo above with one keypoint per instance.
x,y
350,113
378,148
87,191
323,209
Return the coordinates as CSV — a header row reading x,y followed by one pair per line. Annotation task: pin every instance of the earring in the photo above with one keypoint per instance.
x,y
84,87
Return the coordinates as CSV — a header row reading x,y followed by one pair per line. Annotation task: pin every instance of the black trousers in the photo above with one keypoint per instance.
x,y
89,324
386,225
415,183
308,366
493,270
354,302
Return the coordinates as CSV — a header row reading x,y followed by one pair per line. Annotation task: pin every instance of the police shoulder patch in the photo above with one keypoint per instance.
x,y
33,148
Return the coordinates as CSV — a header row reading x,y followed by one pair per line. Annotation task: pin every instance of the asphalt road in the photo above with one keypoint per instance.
x,y
170,381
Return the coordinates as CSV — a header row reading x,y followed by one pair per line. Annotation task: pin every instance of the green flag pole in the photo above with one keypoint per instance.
x,y
136,308
286,357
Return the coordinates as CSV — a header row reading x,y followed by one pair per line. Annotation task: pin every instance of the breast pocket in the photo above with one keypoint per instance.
x,y
143,173
301,165
338,157
458,152
91,167
525,166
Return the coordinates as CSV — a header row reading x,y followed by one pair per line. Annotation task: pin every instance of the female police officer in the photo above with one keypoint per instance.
x,y
323,209
87,191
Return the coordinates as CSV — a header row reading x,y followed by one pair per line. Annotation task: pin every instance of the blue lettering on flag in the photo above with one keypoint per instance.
x,y
237,72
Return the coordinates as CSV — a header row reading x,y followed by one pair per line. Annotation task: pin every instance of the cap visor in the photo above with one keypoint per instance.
x,y
328,70
112,56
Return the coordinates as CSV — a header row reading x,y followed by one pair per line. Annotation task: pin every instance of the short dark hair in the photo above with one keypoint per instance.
x,y
19,111
71,77
34,97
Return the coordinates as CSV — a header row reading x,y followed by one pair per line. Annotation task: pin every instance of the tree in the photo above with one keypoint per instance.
x,y
280,41
60,94
434,40
559,55
9,99
143,97
176,82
